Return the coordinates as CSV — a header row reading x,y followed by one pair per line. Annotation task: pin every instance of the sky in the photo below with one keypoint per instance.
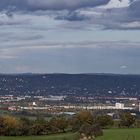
x,y
70,36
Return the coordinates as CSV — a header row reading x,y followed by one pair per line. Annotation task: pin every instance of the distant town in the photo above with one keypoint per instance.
x,y
66,94
57,105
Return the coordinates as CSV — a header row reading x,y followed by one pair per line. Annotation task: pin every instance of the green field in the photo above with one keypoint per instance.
x,y
120,134
69,136
114,134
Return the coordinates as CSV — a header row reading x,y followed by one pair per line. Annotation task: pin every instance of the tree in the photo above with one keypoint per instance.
x,y
81,118
25,126
11,126
60,123
126,119
90,131
1,126
85,117
74,123
38,129
40,120
104,121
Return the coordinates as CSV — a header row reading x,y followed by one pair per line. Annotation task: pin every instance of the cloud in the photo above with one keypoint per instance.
x,y
71,16
14,49
6,54
50,4
87,12
118,18
123,67
11,5
72,57
6,20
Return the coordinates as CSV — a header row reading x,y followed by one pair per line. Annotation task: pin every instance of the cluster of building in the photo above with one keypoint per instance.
x,y
117,106
58,103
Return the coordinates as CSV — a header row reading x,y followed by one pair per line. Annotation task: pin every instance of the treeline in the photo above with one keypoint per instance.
x,y
82,122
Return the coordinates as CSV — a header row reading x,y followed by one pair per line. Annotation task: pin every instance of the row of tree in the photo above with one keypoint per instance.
x,y
83,122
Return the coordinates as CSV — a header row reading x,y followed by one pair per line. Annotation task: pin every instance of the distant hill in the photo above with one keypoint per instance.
x,y
70,84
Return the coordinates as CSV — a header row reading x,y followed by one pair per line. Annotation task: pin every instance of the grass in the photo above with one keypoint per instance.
x,y
109,134
68,136
120,134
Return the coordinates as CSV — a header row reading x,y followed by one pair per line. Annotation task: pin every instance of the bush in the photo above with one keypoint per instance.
x,y
104,121
90,130
126,119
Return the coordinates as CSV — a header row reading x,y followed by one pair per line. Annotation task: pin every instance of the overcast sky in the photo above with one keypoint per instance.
x,y
70,36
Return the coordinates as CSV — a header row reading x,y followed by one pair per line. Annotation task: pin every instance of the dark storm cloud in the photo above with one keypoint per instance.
x,y
122,18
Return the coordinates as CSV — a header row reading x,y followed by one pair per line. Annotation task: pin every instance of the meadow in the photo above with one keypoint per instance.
x,y
109,134
121,134
67,136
